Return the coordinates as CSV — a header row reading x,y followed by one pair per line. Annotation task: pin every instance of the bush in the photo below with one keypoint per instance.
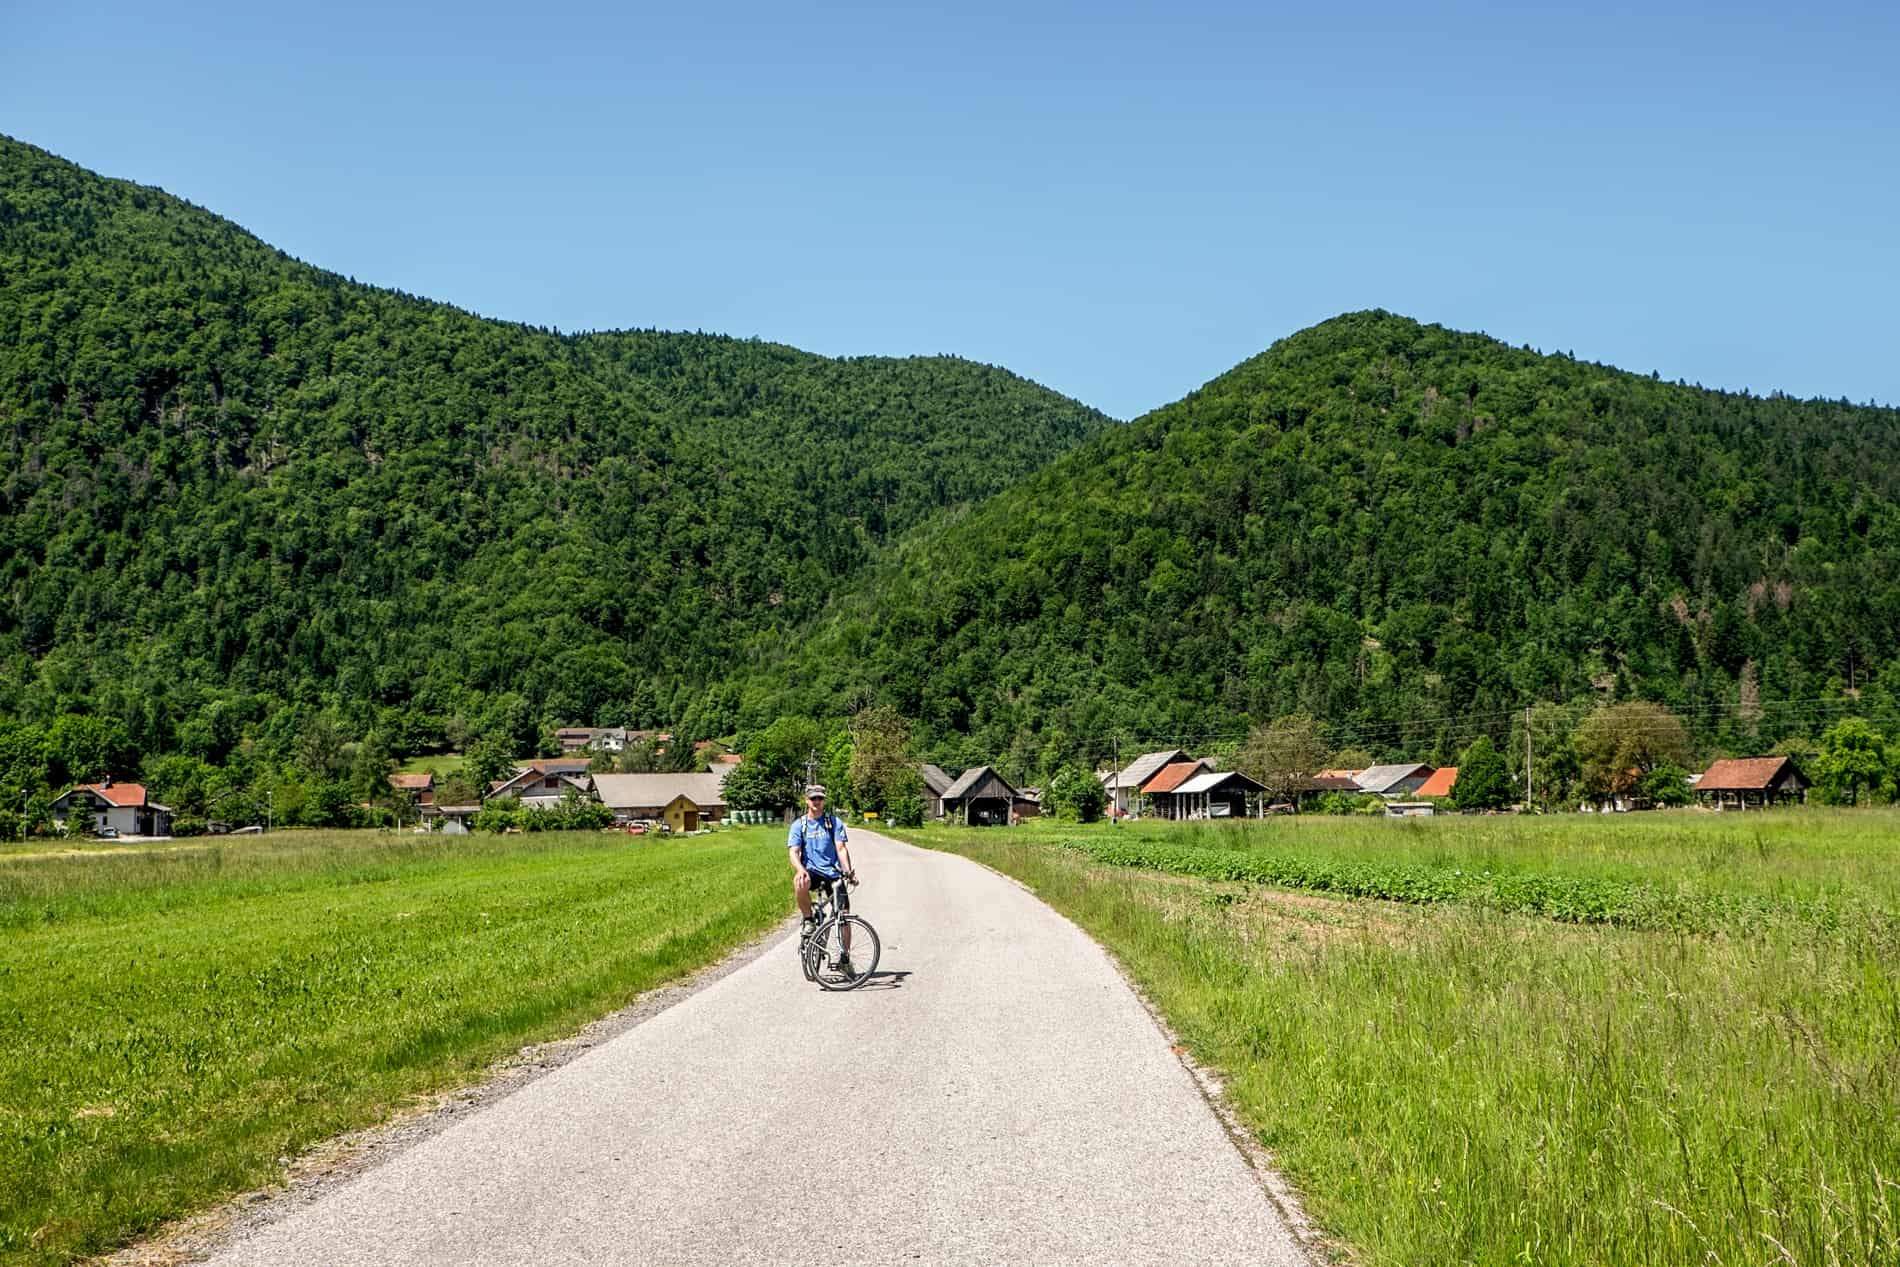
x,y
905,810
188,825
1075,795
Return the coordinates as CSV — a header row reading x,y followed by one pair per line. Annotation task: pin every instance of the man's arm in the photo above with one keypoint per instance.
x,y
795,848
844,851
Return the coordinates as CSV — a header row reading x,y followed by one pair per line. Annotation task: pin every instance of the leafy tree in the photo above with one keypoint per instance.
x,y
489,759
1852,765
1075,795
1484,782
1285,756
1618,744
84,749
753,787
1665,785
879,764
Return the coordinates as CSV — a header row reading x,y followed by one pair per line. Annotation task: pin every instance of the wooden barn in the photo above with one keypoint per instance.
x,y
1752,783
980,798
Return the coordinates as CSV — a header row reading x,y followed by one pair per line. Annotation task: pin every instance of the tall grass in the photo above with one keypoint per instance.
x,y
176,1021
1449,1084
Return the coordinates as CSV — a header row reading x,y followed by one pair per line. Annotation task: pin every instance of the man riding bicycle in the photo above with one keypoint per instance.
x,y
821,855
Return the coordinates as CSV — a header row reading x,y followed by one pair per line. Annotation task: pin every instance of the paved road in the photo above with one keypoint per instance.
x,y
1003,1098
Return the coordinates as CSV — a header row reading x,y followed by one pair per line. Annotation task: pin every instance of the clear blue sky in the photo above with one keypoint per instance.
x,y
1120,201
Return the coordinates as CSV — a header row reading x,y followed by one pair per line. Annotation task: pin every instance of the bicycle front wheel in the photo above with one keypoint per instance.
x,y
843,953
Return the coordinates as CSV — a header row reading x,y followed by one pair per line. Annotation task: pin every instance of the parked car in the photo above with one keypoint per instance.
x,y
106,833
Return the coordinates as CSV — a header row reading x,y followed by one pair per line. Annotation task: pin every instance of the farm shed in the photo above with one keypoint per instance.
x,y
936,783
1752,783
981,798
664,798
1393,780
1217,794
1160,790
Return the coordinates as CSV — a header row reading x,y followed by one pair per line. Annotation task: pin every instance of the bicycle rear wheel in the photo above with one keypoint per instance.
x,y
843,953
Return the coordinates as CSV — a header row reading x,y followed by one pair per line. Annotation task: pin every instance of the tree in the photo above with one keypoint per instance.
x,y
880,758
751,786
1284,757
1618,744
1484,782
79,815
321,747
84,749
1075,795
1665,785
1852,763
488,760
904,798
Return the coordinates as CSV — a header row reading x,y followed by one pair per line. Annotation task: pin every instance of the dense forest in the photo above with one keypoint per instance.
x,y
263,522
237,491
1409,533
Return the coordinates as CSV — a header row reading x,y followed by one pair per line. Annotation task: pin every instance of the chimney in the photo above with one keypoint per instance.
x,y
107,782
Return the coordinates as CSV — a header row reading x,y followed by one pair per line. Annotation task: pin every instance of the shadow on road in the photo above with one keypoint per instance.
x,y
884,981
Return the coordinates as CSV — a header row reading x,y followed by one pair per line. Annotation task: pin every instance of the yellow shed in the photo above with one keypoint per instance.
x,y
681,814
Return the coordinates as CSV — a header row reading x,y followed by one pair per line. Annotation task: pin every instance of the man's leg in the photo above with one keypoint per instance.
x,y
801,892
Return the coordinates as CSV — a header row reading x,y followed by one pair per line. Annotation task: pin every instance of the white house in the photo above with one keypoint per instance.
x,y
123,807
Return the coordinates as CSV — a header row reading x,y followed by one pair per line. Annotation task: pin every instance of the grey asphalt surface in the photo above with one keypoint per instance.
x,y
1000,1097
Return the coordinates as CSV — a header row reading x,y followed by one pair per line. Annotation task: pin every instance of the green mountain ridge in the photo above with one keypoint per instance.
x,y
1408,532
237,488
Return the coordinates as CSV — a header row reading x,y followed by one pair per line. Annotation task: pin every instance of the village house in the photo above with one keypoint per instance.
x,y
1439,786
936,783
1752,783
1124,786
1158,793
596,738
545,781
684,802
1393,781
122,808
418,789
981,798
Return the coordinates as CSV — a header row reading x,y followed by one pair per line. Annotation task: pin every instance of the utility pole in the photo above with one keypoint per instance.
x,y
1115,780
1527,757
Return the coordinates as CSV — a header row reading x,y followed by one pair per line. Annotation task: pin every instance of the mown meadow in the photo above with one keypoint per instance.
x,y
179,1020
1661,1039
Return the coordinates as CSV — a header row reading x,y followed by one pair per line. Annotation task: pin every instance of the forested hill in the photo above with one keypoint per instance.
x,y
235,488
1406,532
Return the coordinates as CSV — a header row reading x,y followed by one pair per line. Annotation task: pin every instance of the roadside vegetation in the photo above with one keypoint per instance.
x,y
181,1019
1446,1081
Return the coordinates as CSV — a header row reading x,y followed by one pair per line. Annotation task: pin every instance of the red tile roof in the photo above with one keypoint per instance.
x,y
1440,783
412,782
558,765
123,795
1339,774
1172,776
1741,774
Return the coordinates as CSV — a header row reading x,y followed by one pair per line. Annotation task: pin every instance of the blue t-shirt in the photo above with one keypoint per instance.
x,y
817,843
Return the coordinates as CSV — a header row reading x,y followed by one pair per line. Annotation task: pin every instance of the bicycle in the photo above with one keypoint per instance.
x,y
837,949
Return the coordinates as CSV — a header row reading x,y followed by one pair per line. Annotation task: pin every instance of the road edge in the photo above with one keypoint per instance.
x,y
329,1165
1321,1249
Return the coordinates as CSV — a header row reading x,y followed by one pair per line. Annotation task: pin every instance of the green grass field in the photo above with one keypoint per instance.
x,y
1447,1082
441,765
178,1019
